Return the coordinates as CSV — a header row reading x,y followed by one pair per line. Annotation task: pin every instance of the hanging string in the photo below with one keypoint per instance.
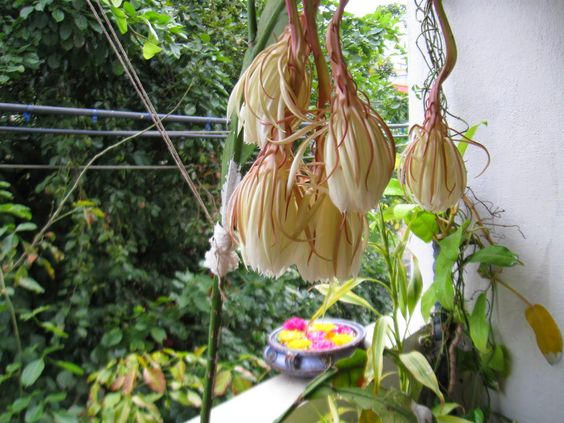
x,y
122,56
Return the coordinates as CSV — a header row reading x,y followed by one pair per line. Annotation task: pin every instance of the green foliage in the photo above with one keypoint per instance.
x,y
139,386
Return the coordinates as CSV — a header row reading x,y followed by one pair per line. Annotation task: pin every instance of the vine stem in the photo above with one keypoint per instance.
x,y
513,290
14,324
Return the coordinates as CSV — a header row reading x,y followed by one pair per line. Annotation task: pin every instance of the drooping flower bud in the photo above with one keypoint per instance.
x,y
359,153
433,169
274,90
336,242
263,214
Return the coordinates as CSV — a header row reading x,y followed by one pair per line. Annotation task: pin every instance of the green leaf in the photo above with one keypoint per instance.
x,y
111,400
401,211
428,300
348,297
17,210
443,283
129,9
450,246
20,404
64,417
479,325
34,413
122,26
58,15
334,293
31,285
499,361
27,226
394,188
495,254
422,371
462,146
81,22
444,409
71,367
381,331
158,334
112,338
32,371
57,331
415,286
424,225
150,49
390,405
26,11
452,419
56,397
116,3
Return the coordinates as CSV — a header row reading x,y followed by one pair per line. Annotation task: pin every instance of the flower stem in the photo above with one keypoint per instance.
x,y
213,346
233,150
252,17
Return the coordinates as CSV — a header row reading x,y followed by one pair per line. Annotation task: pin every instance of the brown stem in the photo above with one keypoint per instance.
x,y
338,64
433,113
452,360
312,37
513,290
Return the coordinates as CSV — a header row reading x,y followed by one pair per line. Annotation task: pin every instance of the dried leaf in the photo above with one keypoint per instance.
x,y
549,337
154,378
222,382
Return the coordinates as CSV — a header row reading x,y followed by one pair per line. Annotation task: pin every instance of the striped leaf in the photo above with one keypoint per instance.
x,y
421,370
381,330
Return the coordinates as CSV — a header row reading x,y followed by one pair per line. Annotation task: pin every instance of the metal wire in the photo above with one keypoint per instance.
x,y
75,111
112,133
93,167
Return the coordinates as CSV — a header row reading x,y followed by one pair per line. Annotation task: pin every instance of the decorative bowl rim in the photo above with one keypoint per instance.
x,y
357,327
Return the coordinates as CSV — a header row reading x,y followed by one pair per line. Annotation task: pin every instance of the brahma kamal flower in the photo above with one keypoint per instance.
x,y
262,213
274,91
432,167
359,154
335,242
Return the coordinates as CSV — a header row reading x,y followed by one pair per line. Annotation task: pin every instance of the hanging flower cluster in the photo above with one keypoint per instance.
x,y
290,209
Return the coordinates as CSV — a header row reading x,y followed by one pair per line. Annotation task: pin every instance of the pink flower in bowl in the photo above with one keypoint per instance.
x,y
342,329
295,323
322,344
316,335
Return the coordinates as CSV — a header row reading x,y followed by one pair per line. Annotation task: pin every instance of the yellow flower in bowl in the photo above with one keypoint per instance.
x,y
340,339
299,344
323,327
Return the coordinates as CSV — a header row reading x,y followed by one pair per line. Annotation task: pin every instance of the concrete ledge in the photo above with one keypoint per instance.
x,y
261,404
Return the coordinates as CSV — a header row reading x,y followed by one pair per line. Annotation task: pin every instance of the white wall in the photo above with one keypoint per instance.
x,y
510,72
